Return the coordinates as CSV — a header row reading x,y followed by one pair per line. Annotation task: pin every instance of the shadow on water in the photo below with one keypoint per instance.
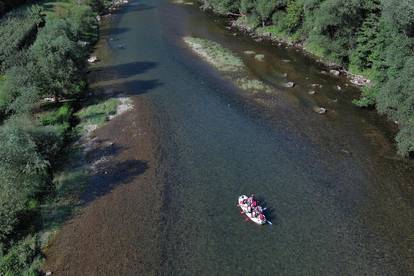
x,y
122,70
111,175
134,8
114,31
135,88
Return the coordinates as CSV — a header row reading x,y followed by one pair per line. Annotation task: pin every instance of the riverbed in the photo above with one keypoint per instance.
x,y
340,199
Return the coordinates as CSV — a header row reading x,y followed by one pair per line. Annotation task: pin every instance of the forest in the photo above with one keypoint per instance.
x,y
373,38
43,51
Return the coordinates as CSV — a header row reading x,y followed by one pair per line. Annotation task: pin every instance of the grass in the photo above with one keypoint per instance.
x,y
218,56
252,85
97,113
2,80
69,182
228,63
276,32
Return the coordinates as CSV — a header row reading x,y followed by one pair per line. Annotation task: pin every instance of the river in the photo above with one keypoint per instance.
x,y
341,200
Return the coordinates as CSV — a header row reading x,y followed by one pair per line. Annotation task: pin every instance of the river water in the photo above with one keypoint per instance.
x,y
341,201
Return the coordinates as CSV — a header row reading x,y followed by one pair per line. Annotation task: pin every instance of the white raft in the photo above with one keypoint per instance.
x,y
244,207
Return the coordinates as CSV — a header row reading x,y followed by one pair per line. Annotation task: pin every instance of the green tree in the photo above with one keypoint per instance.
x,y
23,172
265,9
294,15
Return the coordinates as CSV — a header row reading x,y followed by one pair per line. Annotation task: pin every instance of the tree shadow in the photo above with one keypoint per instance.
x,y
111,175
113,31
133,8
121,70
74,181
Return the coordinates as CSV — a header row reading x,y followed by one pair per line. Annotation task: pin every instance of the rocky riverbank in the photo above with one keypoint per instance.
x,y
260,34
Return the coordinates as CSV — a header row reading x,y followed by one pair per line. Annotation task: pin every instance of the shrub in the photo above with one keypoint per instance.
x,y
17,31
23,171
20,258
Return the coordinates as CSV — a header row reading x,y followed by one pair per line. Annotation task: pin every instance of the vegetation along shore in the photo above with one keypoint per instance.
x,y
45,120
369,39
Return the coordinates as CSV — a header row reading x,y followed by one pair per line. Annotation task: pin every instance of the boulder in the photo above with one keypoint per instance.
x,y
320,110
316,85
289,84
249,52
334,72
93,59
259,57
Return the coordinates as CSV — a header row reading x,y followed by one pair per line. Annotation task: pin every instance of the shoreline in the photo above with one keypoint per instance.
x,y
336,69
121,157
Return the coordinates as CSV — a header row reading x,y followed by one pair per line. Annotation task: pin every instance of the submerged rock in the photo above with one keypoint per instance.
x,y
249,52
312,92
259,57
289,84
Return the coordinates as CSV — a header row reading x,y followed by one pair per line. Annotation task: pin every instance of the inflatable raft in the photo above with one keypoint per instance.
x,y
255,214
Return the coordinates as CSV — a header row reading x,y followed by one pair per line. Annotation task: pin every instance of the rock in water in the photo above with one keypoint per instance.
x,y
312,92
334,72
92,59
259,57
320,110
249,52
289,84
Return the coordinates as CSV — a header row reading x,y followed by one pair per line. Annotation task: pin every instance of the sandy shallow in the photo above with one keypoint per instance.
x,y
122,200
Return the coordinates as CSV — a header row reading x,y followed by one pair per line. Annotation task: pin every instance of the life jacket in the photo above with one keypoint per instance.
x,y
262,217
254,203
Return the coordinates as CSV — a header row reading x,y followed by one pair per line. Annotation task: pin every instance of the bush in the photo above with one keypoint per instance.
x,y
21,258
18,92
23,172
58,61
61,116
17,31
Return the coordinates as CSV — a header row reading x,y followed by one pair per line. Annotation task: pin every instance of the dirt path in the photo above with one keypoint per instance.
x,y
116,222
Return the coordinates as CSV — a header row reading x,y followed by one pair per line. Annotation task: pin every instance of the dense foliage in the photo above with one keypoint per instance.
x,y
370,37
42,63
6,5
17,31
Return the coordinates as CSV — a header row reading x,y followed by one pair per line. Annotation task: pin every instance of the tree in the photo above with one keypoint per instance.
x,y
58,61
265,9
23,172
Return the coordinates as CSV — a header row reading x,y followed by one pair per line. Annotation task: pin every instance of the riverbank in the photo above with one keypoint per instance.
x,y
360,41
53,122
114,232
285,40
